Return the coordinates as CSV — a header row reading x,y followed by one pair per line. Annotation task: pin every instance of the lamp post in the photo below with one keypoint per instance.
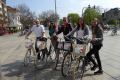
x,y
55,10
84,9
55,7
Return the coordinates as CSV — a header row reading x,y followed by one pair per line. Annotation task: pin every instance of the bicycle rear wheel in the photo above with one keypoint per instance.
x,y
66,65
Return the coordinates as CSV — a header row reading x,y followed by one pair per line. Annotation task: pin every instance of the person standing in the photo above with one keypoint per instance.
x,y
97,42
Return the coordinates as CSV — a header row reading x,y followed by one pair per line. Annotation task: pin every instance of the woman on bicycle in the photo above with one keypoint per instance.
x,y
97,42
52,28
52,34
65,28
81,30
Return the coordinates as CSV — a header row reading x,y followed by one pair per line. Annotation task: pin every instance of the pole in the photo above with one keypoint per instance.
x,y
83,10
55,7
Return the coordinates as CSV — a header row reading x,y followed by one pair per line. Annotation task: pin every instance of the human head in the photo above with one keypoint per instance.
x,y
80,21
64,19
37,21
34,22
94,22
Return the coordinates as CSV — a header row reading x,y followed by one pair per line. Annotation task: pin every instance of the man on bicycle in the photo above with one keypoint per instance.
x,y
39,31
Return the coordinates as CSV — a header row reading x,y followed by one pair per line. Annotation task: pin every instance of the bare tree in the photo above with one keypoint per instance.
x,y
26,16
47,16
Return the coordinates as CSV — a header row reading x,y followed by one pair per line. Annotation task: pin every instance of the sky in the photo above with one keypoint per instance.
x,y
65,6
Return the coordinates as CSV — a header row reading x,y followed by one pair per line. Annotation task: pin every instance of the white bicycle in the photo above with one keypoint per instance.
x,y
30,56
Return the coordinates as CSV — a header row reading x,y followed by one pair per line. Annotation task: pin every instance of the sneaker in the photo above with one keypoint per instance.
x,y
98,72
94,68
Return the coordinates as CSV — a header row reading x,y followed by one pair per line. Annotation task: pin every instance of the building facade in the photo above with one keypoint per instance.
x,y
13,19
3,16
112,14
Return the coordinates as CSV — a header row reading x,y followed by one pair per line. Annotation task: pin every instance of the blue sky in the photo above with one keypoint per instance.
x,y
64,6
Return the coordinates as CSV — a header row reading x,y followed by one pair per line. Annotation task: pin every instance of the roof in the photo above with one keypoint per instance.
x,y
12,10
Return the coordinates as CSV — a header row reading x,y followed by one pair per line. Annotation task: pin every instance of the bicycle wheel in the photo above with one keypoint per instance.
x,y
79,69
52,54
66,65
27,58
57,58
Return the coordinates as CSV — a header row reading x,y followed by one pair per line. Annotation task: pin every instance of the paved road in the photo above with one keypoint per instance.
x,y
12,53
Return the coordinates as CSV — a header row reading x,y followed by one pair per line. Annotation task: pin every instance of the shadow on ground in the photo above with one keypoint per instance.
x,y
17,69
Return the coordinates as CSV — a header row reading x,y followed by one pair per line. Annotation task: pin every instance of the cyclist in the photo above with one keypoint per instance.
x,y
52,33
39,31
65,28
52,28
97,42
114,30
81,30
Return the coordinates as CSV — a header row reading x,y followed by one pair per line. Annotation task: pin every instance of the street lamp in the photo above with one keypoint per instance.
x,y
55,7
55,10
85,8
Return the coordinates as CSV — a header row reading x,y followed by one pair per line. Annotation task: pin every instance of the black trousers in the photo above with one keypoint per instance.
x,y
95,51
37,50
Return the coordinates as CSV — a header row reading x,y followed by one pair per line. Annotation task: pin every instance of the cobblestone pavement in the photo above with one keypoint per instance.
x,y
12,53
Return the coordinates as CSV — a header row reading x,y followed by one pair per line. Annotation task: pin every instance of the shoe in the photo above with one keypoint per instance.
x,y
94,68
38,56
98,72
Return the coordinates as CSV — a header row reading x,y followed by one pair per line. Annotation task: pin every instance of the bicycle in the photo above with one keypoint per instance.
x,y
114,32
43,52
75,62
62,48
30,53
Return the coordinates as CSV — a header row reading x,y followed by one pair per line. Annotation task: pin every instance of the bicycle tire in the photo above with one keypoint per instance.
x,y
27,57
79,69
69,64
51,53
56,59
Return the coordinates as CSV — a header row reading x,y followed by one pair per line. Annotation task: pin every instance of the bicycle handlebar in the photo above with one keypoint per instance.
x,y
83,40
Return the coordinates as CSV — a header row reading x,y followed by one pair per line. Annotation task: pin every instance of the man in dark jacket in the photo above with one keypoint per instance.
x,y
97,42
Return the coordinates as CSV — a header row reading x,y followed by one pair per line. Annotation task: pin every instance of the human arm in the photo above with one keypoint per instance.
x,y
28,33
43,31
72,32
86,32
59,30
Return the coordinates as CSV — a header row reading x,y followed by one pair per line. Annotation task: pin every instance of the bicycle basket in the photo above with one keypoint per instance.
x,y
79,50
41,44
28,44
60,45
64,46
67,46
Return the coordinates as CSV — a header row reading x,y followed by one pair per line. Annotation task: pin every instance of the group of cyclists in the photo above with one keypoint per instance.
x,y
82,31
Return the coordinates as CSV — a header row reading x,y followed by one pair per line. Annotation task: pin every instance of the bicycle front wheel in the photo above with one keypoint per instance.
x,y
28,57
79,68
66,65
